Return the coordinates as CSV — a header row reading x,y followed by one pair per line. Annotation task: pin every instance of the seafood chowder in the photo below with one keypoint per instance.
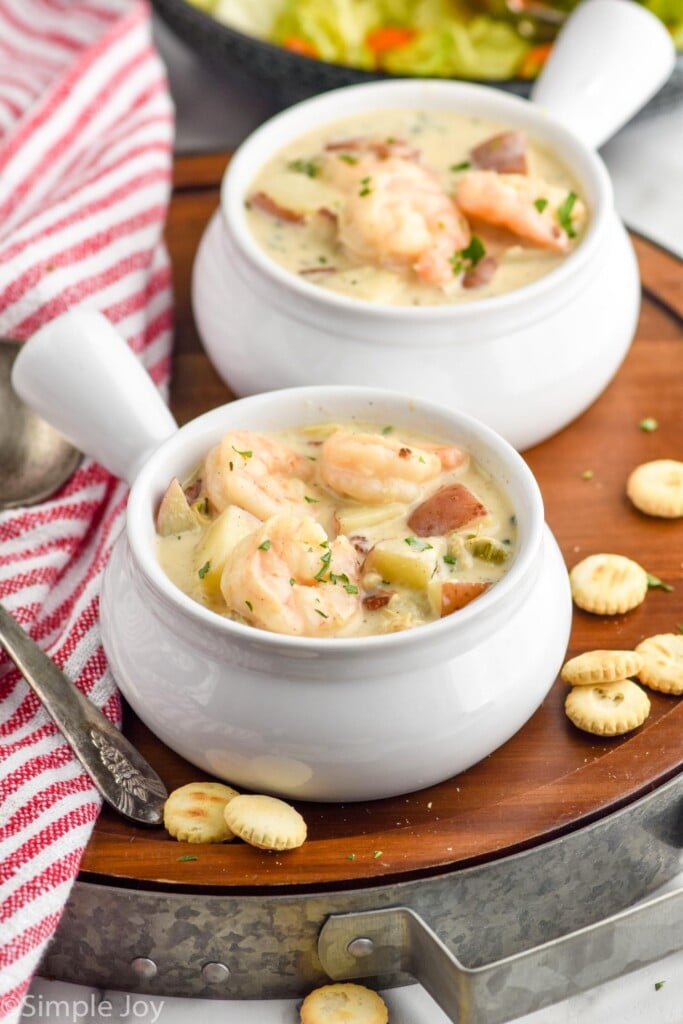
x,y
335,530
425,207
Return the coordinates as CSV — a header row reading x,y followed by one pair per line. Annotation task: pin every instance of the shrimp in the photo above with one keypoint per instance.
x,y
288,577
397,215
376,469
526,206
260,474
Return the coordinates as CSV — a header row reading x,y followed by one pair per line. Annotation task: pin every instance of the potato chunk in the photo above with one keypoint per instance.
x,y
446,596
174,514
449,508
402,564
352,518
223,535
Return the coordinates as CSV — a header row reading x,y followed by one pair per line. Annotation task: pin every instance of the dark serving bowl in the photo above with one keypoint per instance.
x,y
293,75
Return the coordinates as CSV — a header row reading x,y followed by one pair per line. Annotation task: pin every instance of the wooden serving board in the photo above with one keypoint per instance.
x,y
549,778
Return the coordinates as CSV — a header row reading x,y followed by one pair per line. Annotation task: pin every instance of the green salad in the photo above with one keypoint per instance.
x,y
438,38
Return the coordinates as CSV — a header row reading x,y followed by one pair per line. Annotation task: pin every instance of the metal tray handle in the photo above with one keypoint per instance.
x,y
375,943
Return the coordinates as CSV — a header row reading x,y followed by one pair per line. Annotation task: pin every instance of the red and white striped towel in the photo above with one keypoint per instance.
x,y
86,128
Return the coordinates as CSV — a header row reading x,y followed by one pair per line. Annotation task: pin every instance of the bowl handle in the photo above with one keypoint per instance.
x,y
79,374
378,943
609,58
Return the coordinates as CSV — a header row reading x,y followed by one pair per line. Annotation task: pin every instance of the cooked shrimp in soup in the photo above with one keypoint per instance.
x,y
335,530
416,207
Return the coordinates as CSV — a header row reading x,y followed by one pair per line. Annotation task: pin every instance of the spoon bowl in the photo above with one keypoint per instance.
x,y
35,460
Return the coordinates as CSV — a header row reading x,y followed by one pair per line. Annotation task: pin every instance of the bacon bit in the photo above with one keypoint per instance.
x,y
262,201
456,594
382,148
354,145
373,602
193,491
318,270
388,37
504,153
480,274
396,148
327,214
361,544
449,508
404,453
296,44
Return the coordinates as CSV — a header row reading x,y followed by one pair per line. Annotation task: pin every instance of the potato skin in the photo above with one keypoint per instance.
x,y
455,595
449,508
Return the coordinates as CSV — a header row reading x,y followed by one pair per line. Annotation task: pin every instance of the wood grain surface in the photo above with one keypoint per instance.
x,y
549,778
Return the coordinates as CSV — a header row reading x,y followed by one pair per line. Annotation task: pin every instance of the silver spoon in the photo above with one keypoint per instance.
x,y
34,459
120,773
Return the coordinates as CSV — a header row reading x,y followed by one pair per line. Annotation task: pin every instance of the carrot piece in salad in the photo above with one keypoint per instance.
x,y
301,46
534,59
388,37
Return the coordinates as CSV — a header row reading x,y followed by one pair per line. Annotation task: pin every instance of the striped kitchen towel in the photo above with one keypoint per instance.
x,y
86,127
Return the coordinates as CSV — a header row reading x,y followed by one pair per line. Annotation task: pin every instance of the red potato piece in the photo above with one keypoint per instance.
x,y
266,204
504,153
455,595
449,508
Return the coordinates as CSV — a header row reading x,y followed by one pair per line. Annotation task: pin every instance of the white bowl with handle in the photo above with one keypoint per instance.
x,y
526,362
318,719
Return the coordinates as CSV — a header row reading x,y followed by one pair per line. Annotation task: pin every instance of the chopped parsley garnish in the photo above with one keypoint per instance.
x,y
322,614
311,501
564,212
377,853
308,167
292,581
249,605
187,856
449,559
540,204
415,542
348,158
342,578
465,259
654,581
365,189
462,166
351,856
245,454
648,424
204,569
658,985
265,546
387,430
325,559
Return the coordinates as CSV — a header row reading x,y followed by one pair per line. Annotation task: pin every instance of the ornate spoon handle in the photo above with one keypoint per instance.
x,y
120,773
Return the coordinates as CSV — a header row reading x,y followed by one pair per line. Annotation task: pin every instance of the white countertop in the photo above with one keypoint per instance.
x,y
646,164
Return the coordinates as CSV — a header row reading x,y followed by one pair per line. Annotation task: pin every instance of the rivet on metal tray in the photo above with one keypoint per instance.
x,y
215,972
360,948
144,967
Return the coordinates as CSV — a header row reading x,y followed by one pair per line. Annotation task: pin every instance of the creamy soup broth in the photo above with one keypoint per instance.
x,y
407,207
336,530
